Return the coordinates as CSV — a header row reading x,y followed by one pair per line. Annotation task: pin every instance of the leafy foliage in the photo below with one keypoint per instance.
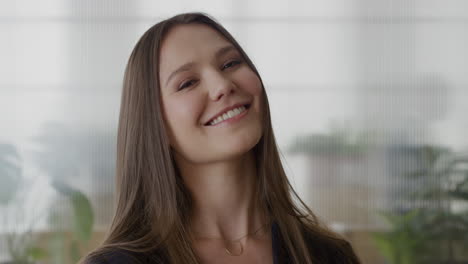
x,y
340,140
10,172
436,232
23,246
83,221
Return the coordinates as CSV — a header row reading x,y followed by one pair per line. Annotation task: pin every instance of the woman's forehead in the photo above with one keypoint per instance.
x,y
190,38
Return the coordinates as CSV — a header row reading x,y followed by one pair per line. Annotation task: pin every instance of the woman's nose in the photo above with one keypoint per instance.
x,y
220,86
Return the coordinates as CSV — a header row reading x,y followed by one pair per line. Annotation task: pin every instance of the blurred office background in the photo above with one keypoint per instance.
x,y
369,103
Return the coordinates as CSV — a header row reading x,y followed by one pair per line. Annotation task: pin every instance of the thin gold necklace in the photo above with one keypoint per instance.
x,y
237,240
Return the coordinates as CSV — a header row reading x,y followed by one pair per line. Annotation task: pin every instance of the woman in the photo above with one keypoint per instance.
x,y
199,177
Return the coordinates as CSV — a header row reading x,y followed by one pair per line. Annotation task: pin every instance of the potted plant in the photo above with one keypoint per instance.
x,y
436,229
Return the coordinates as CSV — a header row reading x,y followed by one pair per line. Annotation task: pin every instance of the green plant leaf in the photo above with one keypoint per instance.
x,y
56,245
37,253
385,245
75,254
458,194
406,239
83,212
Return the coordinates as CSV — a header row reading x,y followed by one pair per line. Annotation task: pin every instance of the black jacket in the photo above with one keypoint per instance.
x,y
321,251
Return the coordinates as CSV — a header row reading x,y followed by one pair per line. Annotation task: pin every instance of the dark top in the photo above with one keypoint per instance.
x,y
321,252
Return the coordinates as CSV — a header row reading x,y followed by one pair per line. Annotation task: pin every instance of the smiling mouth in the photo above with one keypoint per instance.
x,y
247,106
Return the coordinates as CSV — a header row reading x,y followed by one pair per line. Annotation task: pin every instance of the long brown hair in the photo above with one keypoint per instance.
x,y
152,201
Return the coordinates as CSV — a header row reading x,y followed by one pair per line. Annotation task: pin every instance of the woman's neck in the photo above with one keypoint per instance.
x,y
223,196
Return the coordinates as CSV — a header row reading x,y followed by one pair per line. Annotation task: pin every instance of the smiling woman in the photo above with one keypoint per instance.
x,y
199,177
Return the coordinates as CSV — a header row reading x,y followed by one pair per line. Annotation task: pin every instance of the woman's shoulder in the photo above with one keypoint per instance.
x,y
121,256
323,246
329,249
112,256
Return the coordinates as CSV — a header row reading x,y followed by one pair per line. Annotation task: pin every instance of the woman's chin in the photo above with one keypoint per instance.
x,y
236,149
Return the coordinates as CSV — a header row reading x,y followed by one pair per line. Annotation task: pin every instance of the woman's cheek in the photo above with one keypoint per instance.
x,y
251,82
190,108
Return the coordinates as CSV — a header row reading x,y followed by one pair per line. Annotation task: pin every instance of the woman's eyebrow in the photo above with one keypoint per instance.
x,y
182,68
220,52
224,50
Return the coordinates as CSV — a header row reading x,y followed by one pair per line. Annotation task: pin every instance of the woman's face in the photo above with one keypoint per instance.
x,y
202,74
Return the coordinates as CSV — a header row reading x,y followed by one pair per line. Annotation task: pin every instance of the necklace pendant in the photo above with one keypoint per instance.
x,y
234,248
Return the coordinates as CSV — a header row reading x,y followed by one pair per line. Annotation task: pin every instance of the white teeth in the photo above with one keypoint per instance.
x,y
227,115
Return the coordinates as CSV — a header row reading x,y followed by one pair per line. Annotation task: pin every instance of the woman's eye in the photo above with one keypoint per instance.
x,y
231,64
186,84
